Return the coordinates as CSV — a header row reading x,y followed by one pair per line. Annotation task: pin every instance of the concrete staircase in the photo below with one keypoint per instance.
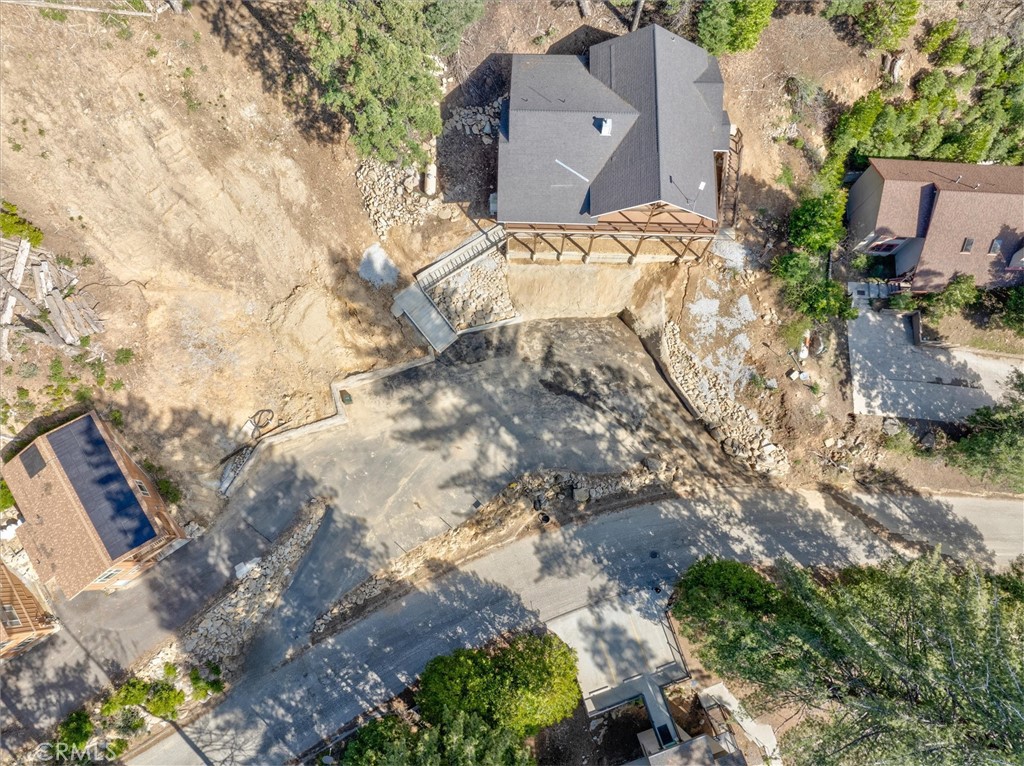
x,y
461,256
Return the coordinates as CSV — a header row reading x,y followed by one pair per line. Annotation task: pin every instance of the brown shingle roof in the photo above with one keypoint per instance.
x,y
60,538
948,203
29,611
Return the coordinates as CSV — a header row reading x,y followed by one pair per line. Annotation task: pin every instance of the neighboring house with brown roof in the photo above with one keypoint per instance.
x,y
939,219
93,519
24,619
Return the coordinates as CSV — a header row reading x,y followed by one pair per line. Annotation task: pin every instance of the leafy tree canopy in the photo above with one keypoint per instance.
x,y
524,687
729,26
908,662
374,60
993,449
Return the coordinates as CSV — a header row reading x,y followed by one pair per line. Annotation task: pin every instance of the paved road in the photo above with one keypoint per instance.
x,y
268,718
419,450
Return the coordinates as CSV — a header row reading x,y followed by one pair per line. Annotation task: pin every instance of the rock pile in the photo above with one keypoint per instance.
x,y
482,121
733,426
391,195
477,294
222,632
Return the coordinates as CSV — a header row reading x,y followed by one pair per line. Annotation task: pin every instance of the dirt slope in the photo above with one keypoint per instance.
x,y
226,241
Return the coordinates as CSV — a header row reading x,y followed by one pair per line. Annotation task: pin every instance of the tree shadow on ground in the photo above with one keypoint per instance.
x,y
287,711
580,395
467,168
262,33
103,635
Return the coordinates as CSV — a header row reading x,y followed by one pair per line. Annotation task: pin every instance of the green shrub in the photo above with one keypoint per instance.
x,y
794,266
953,50
202,687
1012,314
447,20
710,582
116,748
6,498
821,300
117,419
937,35
164,700
131,692
904,301
124,356
729,26
817,223
76,730
524,687
129,722
14,226
170,671
169,491
958,295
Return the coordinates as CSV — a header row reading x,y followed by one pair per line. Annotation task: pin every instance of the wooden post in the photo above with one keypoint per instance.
x,y
636,15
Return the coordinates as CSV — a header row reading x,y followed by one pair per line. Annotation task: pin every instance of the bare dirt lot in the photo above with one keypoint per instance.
x,y
188,160
226,235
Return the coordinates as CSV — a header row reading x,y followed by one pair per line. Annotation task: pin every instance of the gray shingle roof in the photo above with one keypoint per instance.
x,y
663,96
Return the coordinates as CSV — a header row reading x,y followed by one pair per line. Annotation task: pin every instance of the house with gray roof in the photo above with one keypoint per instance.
x,y
628,143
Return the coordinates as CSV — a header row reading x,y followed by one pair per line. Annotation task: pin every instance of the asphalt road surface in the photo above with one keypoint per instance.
x,y
270,717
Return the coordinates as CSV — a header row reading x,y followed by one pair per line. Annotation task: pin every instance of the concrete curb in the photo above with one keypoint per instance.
x,y
339,418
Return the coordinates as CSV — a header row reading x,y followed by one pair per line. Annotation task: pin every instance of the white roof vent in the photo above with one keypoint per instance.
x,y
605,124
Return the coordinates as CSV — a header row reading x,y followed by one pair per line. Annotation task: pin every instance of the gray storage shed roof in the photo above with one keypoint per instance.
x,y
662,97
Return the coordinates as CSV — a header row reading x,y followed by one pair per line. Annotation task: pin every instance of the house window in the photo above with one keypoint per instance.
x,y
995,247
968,245
11,619
110,574
142,488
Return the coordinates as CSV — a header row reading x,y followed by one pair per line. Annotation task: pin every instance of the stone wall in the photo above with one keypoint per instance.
x,y
221,633
477,294
537,499
483,121
738,430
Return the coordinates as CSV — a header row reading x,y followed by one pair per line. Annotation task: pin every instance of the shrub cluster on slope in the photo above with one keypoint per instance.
x,y
376,62
729,26
993,448
908,662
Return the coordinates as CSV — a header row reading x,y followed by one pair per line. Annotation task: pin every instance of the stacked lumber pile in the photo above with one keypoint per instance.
x,y
39,300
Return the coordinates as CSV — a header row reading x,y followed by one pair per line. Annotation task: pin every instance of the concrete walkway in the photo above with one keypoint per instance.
x,y
421,311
